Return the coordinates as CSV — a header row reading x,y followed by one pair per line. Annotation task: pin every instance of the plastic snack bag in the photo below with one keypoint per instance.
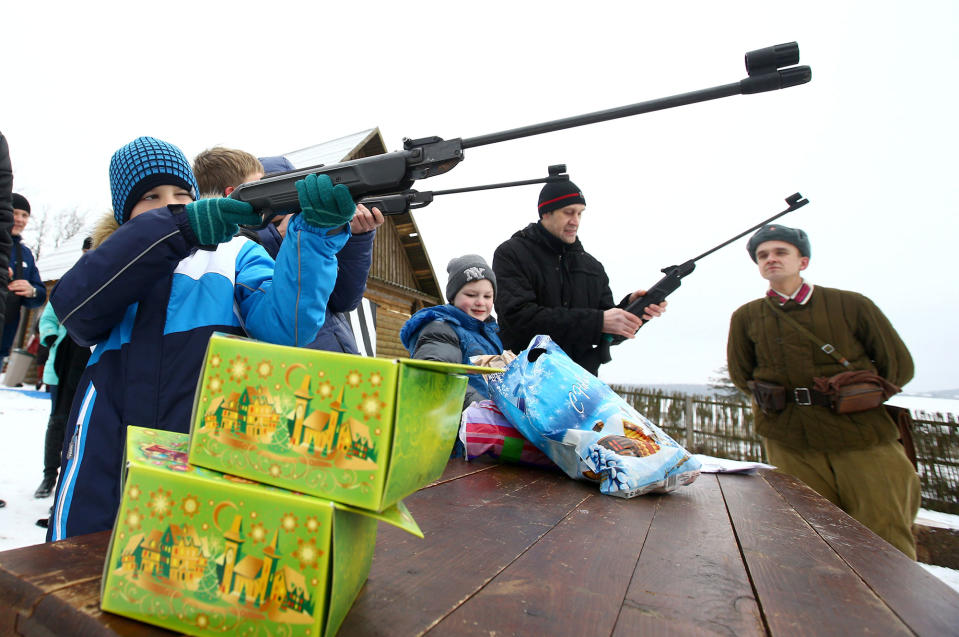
x,y
585,427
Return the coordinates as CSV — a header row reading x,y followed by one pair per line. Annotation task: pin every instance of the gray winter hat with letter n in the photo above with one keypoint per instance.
x,y
794,236
462,270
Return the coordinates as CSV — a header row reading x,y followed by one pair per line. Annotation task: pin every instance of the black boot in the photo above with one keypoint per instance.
x,y
46,487
45,522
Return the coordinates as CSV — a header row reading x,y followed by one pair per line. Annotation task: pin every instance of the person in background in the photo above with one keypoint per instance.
x,y
150,296
852,459
42,354
461,329
550,285
26,287
6,223
220,170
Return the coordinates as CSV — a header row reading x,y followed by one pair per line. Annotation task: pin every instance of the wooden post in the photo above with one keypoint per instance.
x,y
688,417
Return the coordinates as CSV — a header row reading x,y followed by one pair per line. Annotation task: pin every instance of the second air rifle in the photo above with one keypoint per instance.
x,y
674,274
386,180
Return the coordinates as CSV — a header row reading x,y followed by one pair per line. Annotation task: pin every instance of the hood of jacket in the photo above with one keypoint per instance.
x,y
451,314
105,226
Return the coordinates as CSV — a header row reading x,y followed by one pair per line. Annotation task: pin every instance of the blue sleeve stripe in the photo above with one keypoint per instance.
x,y
65,498
119,336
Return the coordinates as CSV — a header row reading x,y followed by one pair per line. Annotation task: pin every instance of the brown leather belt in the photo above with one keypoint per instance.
x,y
804,396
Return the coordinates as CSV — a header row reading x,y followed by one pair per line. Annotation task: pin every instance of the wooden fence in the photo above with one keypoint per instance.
x,y
724,429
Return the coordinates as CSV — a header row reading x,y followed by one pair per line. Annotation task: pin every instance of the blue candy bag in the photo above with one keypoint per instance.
x,y
585,427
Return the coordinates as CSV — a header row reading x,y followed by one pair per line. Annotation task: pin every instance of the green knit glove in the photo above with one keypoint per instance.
x,y
324,205
218,220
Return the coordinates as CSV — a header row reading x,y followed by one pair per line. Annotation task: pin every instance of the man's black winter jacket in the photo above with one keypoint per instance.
x,y
546,286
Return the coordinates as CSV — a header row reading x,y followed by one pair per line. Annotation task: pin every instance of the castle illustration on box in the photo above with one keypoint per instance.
x,y
175,556
254,415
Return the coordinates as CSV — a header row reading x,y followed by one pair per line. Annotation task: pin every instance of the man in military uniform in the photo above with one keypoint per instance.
x,y
853,459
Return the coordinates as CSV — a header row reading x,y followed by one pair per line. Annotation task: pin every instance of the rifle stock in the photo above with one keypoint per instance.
x,y
656,294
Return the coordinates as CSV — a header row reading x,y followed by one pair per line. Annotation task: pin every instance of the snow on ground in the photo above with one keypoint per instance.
x,y
23,421
928,404
23,424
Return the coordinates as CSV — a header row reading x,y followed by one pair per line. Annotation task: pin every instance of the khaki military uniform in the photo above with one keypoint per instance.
x,y
853,460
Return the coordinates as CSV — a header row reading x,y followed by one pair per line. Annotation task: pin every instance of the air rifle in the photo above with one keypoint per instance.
x,y
386,180
674,273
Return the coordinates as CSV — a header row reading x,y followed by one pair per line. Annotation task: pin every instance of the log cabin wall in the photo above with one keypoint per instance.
x,y
396,285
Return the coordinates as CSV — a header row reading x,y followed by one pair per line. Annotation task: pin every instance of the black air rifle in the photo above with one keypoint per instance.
x,y
385,180
674,274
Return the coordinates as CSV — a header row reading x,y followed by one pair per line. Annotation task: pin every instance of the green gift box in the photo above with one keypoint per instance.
x,y
362,431
205,553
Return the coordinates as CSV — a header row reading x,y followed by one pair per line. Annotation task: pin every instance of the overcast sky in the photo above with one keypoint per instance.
x,y
870,141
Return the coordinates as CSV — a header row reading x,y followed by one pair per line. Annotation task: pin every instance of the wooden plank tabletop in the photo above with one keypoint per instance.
x,y
518,551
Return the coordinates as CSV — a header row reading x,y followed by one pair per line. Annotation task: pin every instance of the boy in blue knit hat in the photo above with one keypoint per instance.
x,y
149,297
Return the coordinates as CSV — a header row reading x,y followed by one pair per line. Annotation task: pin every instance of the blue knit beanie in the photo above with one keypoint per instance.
x,y
143,164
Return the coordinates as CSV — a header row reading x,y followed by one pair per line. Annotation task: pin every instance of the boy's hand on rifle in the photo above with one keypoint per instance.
x,y
366,220
216,221
322,204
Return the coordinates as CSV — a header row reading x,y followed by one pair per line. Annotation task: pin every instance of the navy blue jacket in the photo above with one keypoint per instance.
x,y
149,300
24,267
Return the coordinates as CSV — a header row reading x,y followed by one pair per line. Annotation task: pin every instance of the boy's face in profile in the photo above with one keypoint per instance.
x,y
159,197
257,176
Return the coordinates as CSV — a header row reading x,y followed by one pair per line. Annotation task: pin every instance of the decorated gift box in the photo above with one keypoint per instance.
x,y
205,553
362,431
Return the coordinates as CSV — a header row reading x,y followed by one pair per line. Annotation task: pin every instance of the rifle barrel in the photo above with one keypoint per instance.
x,y
795,202
659,104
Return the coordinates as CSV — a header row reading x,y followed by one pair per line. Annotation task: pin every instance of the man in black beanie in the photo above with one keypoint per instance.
x,y
548,284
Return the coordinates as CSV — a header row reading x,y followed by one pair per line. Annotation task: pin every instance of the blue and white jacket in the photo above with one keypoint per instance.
x,y
148,300
353,267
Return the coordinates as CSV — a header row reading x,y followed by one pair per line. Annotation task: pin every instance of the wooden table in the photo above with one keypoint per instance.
x,y
519,551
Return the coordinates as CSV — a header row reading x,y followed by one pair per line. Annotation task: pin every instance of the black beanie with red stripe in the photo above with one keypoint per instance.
x,y
559,194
